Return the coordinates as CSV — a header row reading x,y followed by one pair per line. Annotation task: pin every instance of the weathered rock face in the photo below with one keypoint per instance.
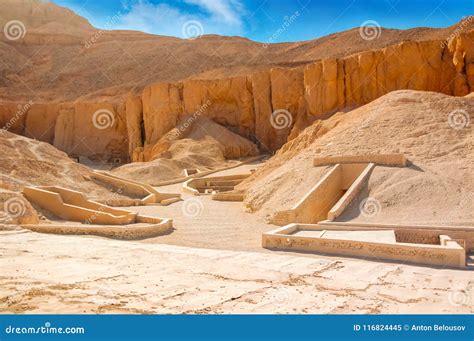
x,y
462,48
13,116
64,130
134,111
228,102
41,122
331,85
265,134
94,130
250,106
100,131
162,105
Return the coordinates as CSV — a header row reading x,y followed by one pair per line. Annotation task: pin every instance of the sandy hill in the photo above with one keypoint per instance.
x,y
26,162
196,143
62,57
437,187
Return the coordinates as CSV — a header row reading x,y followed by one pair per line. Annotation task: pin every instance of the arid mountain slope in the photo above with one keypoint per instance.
x,y
26,162
62,57
196,143
431,129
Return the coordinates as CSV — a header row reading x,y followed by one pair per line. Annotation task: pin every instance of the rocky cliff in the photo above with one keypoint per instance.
x,y
97,131
268,107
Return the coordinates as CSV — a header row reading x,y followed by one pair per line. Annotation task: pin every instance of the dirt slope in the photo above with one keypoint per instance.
x,y
26,162
193,144
437,187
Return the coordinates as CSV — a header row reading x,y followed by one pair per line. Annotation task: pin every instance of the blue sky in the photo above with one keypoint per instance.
x,y
263,20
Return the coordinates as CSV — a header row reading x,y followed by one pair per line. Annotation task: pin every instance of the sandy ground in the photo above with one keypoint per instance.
x,y
202,222
94,275
211,264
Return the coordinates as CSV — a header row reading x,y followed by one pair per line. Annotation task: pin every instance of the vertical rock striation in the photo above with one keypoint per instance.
x,y
246,105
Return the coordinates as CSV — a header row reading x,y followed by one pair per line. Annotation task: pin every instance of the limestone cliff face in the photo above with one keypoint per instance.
x,y
134,114
462,48
333,84
94,130
247,105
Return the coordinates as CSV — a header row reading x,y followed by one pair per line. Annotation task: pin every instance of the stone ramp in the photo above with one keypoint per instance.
x,y
72,205
329,197
91,218
147,193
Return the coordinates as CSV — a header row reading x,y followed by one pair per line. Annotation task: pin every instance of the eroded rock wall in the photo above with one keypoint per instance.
x,y
247,105
97,131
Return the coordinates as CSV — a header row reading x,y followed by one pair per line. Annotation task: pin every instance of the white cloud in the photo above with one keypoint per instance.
x,y
227,11
222,17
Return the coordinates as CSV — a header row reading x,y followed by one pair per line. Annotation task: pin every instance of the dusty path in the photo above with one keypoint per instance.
x,y
213,263
70,274
202,222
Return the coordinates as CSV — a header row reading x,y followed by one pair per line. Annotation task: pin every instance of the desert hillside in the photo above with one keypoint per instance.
x,y
196,143
62,57
125,96
437,186
147,174
27,162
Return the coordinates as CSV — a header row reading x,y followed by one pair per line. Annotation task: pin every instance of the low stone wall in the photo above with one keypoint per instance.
x,y
147,193
351,193
450,255
209,172
397,160
127,232
188,172
195,186
328,192
418,233
74,206
228,196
